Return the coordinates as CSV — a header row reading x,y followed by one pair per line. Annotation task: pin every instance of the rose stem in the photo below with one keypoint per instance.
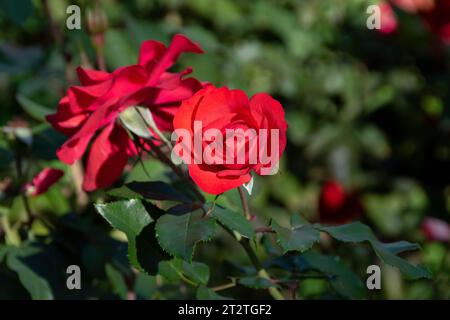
x,y
20,176
247,247
225,286
244,202
76,169
245,243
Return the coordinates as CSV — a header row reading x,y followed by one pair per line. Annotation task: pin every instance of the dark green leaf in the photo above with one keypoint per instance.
x,y
17,11
37,286
352,232
234,221
174,269
145,286
117,281
34,109
196,271
130,217
183,208
300,236
6,159
118,49
46,142
3,251
400,246
341,278
178,235
154,190
358,232
410,270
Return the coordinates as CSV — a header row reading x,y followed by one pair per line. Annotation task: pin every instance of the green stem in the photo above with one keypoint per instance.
x,y
225,286
245,243
20,178
188,281
274,292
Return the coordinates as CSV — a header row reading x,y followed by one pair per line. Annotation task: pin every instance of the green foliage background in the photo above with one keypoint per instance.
x,y
366,109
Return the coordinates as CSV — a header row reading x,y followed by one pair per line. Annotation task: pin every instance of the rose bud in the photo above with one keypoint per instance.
x,y
43,181
96,20
436,229
336,206
389,22
437,18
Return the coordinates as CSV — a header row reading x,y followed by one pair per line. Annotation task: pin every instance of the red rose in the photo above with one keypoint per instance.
x,y
413,6
336,206
224,136
436,229
435,13
95,106
437,18
388,21
43,181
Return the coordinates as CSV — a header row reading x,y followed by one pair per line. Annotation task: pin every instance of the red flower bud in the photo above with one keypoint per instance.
x,y
336,206
43,181
436,229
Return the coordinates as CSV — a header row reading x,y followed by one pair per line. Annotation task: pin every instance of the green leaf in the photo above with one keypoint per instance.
x,y
196,271
46,142
300,236
169,271
256,282
234,221
36,110
130,217
352,232
145,286
357,232
341,278
38,287
6,159
154,190
410,270
175,269
3,251
118,49
178,235
17,11
204,293
400,246
117,281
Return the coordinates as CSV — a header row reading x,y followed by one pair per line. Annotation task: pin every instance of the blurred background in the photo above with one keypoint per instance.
x,y
368,138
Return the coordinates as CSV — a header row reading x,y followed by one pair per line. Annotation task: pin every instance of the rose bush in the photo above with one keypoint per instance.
x,y
184,231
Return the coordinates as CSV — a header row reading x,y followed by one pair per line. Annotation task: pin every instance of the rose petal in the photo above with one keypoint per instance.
x,y
90,77
178,45
44,180
106,158
211,183
436,229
